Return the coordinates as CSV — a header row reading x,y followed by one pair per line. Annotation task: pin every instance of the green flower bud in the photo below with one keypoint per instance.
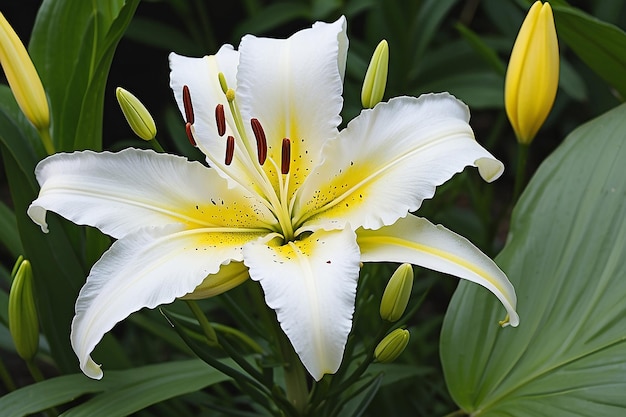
x,y
136,114
397,293
392,346
22,77
23,321
376,76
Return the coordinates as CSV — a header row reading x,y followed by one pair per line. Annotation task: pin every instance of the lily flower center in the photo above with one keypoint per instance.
x,y
272,183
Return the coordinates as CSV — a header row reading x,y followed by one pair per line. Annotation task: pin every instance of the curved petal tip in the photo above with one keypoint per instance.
x,y
489,169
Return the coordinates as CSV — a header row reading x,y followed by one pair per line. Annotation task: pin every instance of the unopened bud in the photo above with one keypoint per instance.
x,y
136,114
22,77
392,346
532,76
376,76
23,321
228,277
397,293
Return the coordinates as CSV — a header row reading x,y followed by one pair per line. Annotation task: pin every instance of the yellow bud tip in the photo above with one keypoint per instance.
x,y
375,80
136,114
533,73
23,321
222,80
22,77
506,322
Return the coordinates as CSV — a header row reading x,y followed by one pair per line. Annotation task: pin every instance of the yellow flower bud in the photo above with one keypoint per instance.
x,y
392,346
228,277
136,114
376,76
22,77
23,321
532,76
397,293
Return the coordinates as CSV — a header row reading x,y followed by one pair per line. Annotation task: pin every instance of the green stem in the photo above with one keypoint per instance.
x,y
34,371
520,175
156,146
209,333
243,338
295,376
6,377
46,139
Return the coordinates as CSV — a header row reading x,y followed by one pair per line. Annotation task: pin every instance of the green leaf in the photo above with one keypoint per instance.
x,y
600,45
72,46
273,16
565,257
118,393
9,235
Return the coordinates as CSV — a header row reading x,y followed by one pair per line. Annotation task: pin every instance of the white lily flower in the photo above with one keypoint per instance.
x,y
287,199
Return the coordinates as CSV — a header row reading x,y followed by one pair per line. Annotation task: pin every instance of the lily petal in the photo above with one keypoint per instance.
x,y
200,75
120,193
415,240
293,87
388,160
150,267
311,284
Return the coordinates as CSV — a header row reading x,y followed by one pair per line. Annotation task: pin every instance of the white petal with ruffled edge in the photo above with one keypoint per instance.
x,y
388,160
150,267
311,284
415,240
122,192
293,87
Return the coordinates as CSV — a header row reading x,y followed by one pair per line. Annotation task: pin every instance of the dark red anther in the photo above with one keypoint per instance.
x,y
220,119
187,104
190,134
261,141
230,150
286,156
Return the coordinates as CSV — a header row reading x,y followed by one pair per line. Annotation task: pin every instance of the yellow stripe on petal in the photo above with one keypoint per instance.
x,y
417,241
388,160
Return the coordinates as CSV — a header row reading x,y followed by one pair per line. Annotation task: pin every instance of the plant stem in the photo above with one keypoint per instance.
x,y
209,333
156,146
520,175
295,377
6,377
34,371
44,134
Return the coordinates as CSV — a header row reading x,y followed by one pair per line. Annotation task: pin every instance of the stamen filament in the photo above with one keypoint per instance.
x,y
261,141
220,119
189,131
230,150
189,117
286,156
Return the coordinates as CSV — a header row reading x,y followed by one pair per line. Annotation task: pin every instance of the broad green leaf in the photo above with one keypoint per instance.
x,y
565,257
118,393
72,46
600,45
